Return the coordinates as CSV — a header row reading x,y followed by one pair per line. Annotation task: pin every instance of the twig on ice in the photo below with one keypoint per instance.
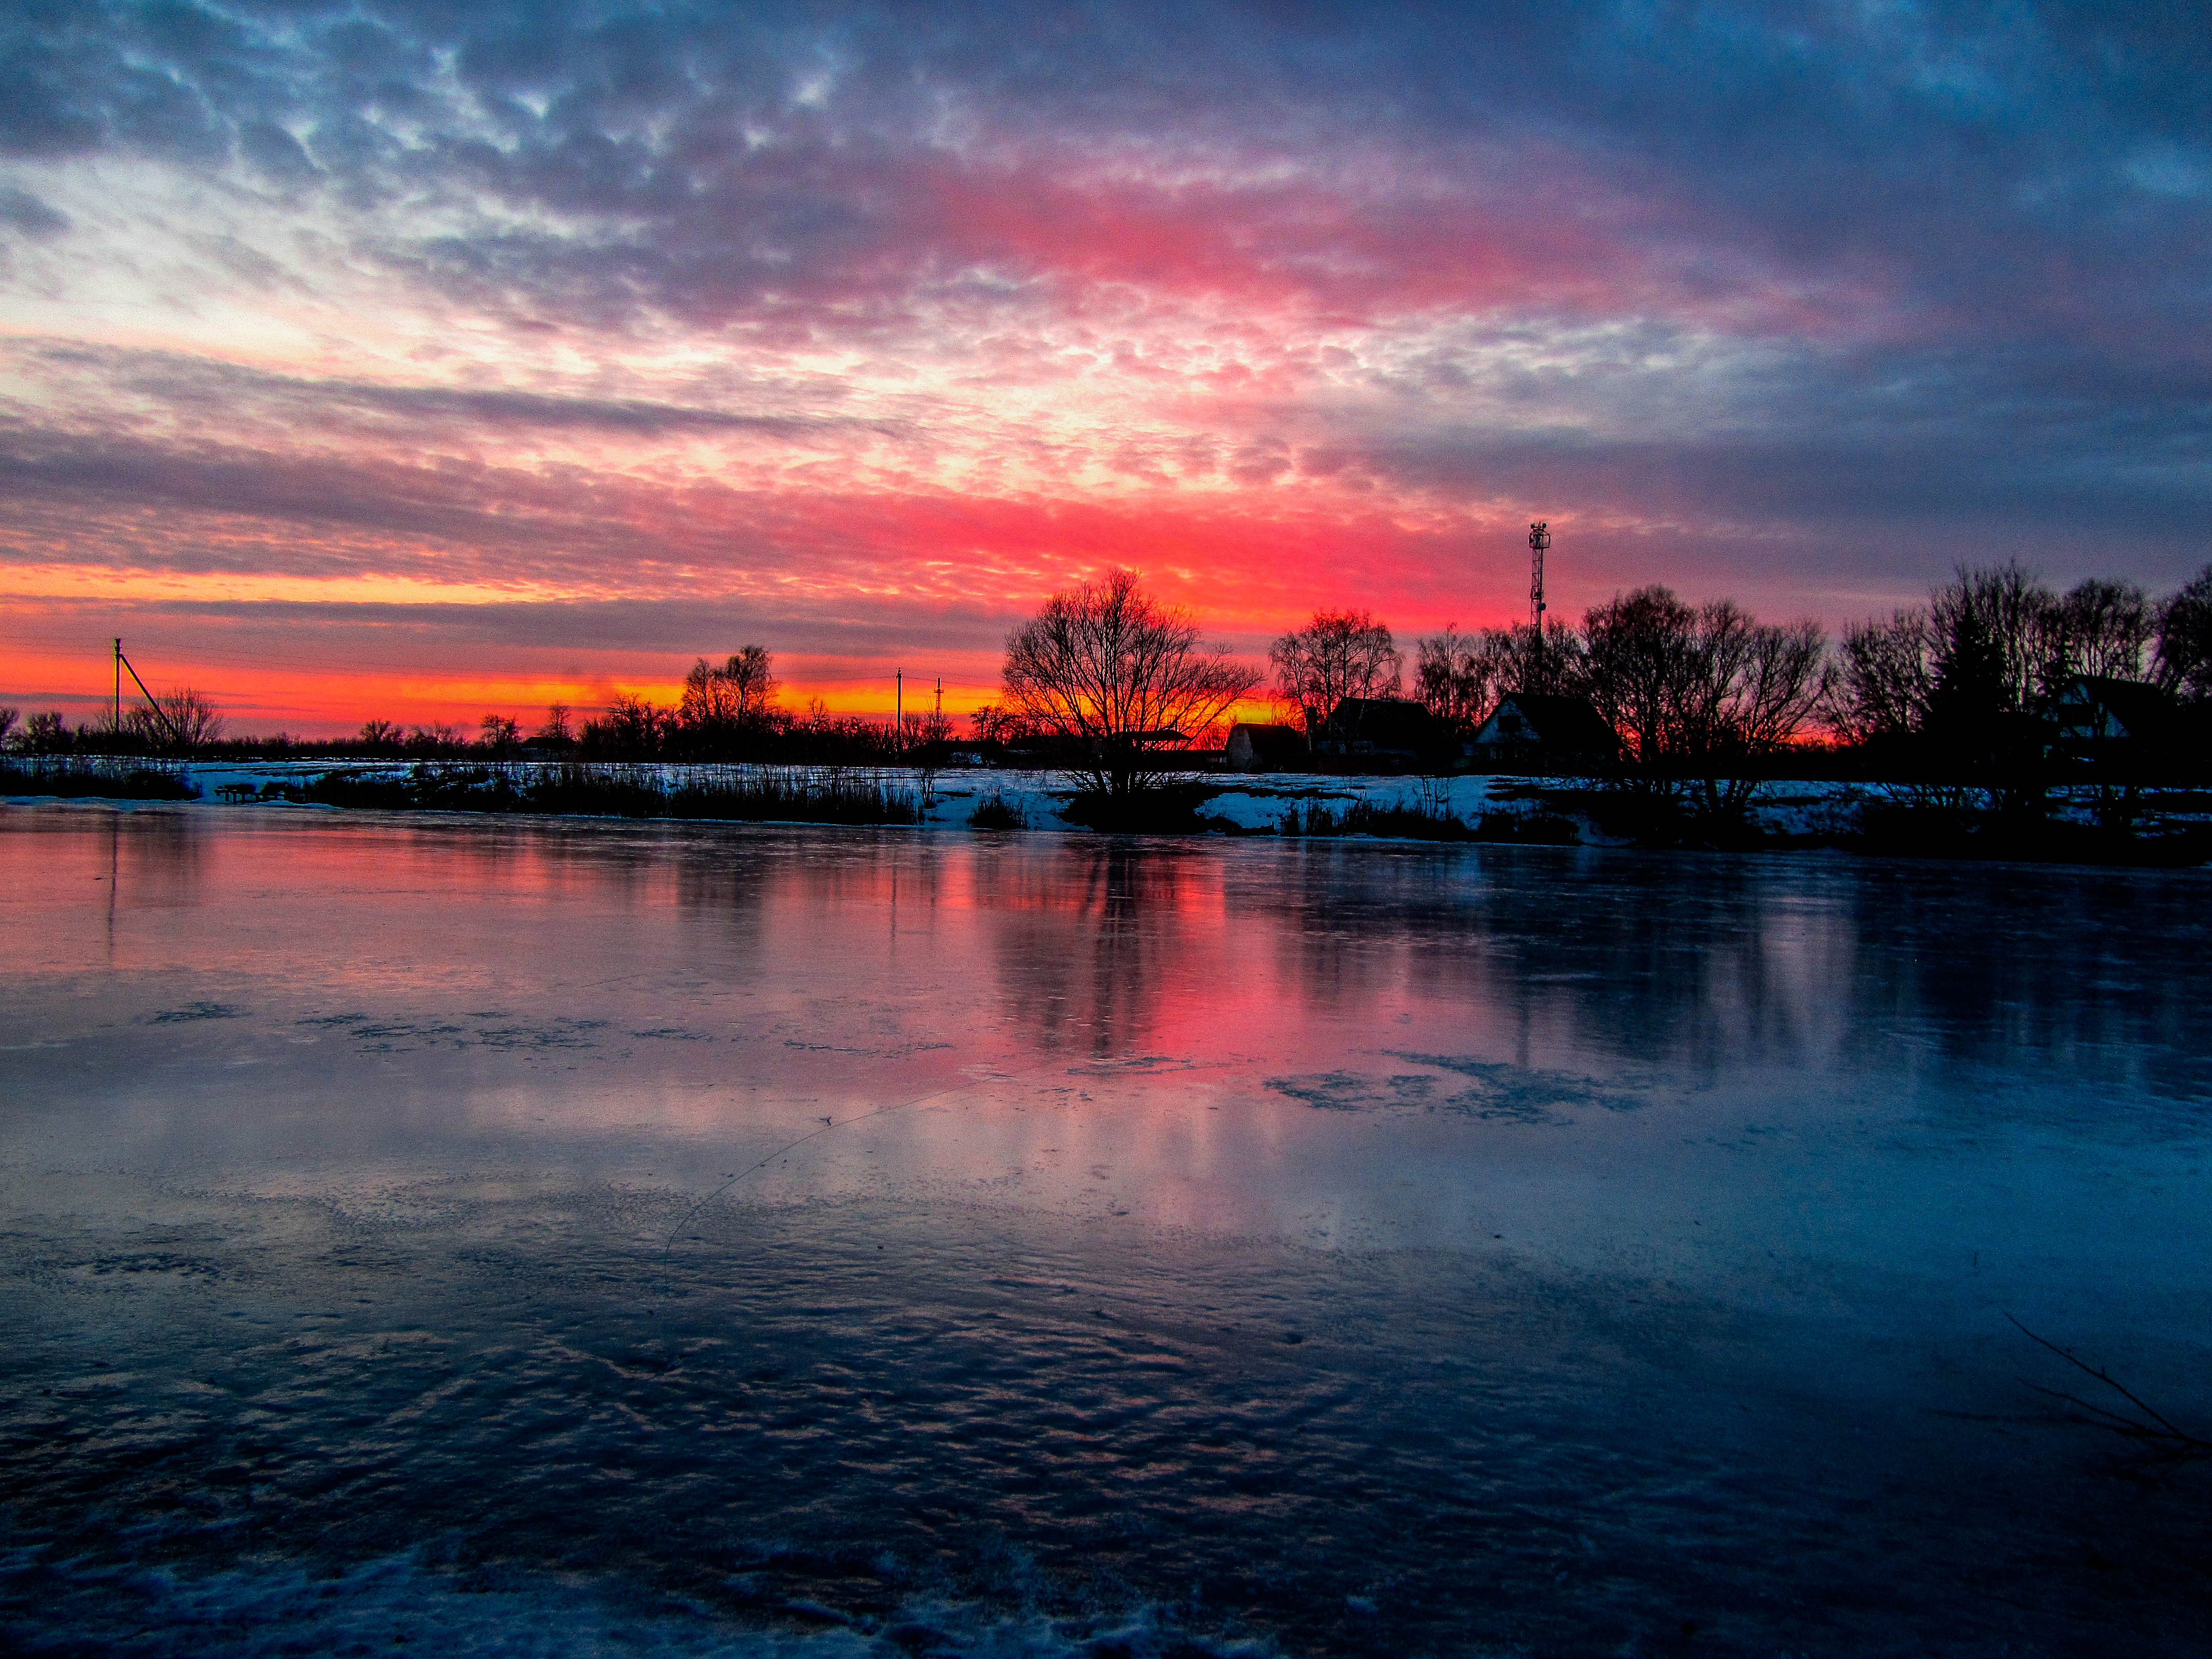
x,y
2159,1430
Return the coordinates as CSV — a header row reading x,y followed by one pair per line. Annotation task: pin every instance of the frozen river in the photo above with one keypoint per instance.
x,y
553,1237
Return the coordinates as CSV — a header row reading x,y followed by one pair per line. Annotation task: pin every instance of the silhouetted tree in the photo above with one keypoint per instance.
x,y
7,718
555,733
1339,654
381,737
2100,627
1995,638
1455,676
1698,693
825,738
993,724
1886,674
2183,662
930,729
1970,667
1559,671
1760,686
1996,634
502,734
46,733
632,729
733,696
436,740
1110,668
182,721
1641,657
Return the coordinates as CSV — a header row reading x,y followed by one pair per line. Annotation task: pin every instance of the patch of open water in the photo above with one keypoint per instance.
x,y
555,1237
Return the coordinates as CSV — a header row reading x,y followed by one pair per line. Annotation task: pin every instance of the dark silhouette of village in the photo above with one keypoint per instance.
x,y
1978,715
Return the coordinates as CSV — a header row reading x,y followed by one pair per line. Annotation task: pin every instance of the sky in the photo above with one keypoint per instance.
x,y
414,360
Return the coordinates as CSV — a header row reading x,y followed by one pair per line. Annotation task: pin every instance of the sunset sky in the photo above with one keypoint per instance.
x,y
418,360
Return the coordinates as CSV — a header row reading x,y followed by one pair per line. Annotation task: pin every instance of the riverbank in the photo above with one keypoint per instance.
x,y
2170,827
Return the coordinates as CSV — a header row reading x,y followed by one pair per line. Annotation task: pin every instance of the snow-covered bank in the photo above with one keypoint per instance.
x,y
946,800
1494,805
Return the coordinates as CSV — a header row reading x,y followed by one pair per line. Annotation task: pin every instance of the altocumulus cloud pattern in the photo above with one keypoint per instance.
x,y
541,346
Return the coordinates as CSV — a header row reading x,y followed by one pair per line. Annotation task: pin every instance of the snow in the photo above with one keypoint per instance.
x,y
1251,803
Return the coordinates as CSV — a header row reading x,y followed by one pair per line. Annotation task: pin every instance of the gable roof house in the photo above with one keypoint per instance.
x,y
1527,728
2091,717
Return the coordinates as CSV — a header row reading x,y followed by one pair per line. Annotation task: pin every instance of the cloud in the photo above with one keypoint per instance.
x,y
915,308
21,211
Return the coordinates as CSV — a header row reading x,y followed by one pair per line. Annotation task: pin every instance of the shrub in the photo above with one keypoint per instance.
x,y
995,811
82,779
832,796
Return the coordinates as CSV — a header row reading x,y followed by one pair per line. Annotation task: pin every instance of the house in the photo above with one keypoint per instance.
x,y
1254,748
2124,722
2090,711
1529,729
1387,733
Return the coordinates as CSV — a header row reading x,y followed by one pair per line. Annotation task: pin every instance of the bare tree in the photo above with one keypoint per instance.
x,y
993,724
1640,661
7,718
1757,686
1109,666
2184,663
556,731
2100,627
1701,692
182,720
502,734
1885,676
632,729
436,739
381,737
1339,654
46,733
1558,671
1460,677
1995,629
1456,676
728,702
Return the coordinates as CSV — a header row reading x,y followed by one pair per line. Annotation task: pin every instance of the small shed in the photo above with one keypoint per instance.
x,y
1255,748
1529,728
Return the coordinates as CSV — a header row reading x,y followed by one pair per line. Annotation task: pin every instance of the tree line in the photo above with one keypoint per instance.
x,y
1673,678
1117,684
1698,696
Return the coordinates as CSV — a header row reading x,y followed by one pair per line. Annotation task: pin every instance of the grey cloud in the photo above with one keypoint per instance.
x,y
1961,183
202,390
670,628
23,211
1974,159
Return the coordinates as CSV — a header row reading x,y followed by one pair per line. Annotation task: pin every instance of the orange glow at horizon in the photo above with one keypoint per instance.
x,y
261,701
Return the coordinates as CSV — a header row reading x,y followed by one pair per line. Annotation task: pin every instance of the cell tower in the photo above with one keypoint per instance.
x,y
1539,538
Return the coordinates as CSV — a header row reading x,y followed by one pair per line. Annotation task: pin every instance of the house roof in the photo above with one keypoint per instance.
x,y
2140,710
1268,742
1568,723
1384,723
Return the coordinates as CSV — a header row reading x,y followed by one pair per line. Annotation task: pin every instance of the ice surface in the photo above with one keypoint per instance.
x,y
529,1235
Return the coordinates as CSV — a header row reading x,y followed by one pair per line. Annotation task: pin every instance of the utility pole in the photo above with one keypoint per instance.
x,y
1539,538
898,713
937,725
115,709
152,703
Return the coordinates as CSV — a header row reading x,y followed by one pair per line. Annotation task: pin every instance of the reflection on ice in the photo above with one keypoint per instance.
x,y
922,1243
